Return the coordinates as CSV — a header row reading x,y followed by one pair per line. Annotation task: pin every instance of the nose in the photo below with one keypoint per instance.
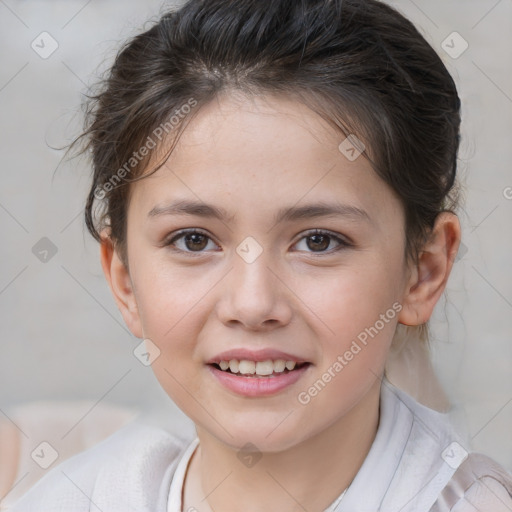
x,y
254,295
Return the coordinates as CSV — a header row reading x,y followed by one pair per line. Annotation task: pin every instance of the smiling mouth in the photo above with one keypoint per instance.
x,y
253,375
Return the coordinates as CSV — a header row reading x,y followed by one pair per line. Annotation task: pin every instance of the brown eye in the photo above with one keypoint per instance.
x,y
195,241
318,241
189,241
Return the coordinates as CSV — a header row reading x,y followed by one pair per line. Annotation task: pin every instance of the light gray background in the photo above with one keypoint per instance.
x,y
62,335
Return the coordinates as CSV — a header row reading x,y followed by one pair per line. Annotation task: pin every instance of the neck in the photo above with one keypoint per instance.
x,y
288,480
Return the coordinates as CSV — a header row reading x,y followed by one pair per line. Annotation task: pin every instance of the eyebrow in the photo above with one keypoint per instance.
x,y
288,214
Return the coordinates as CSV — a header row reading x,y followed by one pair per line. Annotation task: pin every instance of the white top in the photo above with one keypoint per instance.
x,y
141,468
175,504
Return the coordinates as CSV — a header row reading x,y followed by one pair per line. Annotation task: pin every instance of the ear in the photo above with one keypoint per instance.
x,y
119,281
429,276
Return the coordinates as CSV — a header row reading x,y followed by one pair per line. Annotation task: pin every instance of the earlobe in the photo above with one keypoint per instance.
x,y
119,281
430,275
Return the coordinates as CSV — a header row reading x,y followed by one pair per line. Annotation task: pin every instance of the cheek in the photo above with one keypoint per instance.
x,y
356,314
348,300
173,321
172,308
170,299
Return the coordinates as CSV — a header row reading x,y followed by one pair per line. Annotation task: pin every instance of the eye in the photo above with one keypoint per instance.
x,y
318,241
191,240
196,241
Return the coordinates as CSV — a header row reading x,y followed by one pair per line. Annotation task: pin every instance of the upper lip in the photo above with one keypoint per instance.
x,y
254,355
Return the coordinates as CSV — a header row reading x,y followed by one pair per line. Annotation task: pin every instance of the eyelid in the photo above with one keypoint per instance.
x,y
318,231
343,242
186,231
167,242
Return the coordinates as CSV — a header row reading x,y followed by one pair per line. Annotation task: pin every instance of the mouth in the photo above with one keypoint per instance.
x,y
256,379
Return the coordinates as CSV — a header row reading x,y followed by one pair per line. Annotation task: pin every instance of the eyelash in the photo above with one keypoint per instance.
x,y
343,244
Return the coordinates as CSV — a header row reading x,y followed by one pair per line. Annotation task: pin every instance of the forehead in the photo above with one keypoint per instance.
x,y
262,152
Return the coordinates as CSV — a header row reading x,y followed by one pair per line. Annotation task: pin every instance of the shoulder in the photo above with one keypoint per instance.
x,y
485,495
479,484
126,471
427,455
434,468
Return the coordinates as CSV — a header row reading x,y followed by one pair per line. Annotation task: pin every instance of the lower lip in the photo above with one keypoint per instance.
x,y
258,386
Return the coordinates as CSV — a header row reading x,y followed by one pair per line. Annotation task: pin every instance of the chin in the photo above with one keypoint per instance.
x,y
268,436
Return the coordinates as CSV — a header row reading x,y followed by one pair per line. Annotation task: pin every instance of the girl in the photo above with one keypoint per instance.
x,y
274,193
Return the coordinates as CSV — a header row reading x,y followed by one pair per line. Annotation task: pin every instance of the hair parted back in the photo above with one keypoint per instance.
x,y
359,64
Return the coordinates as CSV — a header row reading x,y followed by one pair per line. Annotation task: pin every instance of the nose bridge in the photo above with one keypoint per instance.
x,y
252,294
253,275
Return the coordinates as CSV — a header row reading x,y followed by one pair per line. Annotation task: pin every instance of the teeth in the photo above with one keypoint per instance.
x,y
264,367
290,365
246,367
279,365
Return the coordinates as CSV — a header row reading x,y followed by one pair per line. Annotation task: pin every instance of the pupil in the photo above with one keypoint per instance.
x,y
194,238
315,244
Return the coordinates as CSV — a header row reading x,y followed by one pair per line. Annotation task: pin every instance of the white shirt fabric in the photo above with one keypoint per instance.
x,y
141,468
175,504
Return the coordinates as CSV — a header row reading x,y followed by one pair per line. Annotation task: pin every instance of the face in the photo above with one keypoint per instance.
x,y
274,276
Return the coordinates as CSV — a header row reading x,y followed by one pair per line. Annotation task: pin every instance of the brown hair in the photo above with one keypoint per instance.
x,y
358,63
